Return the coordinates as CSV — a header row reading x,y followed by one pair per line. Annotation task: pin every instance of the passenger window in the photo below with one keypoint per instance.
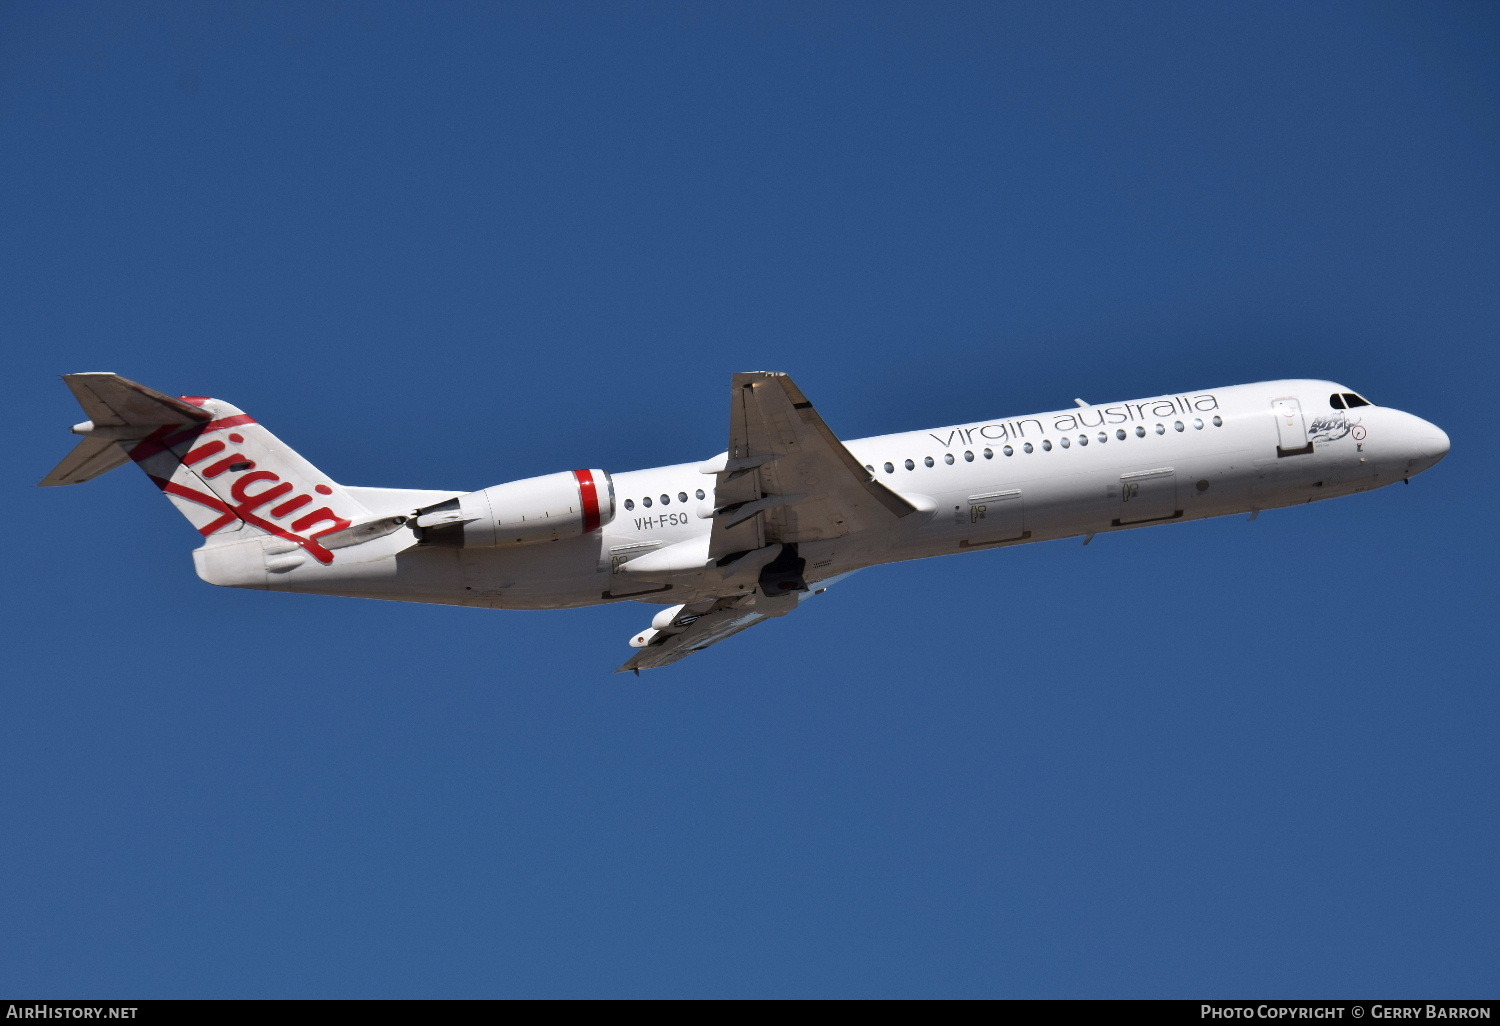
x,y
1027,447
682,496
948,459
1179,425
1104,436
1046,445
630,504
989,454
1064,442
1140,432
666,500
1083,439
1008,451
968,456
1336,401
889,469
1120,434
1197,423
1218,422
927,461
1161,429
700,494
869,468
646,502
910,465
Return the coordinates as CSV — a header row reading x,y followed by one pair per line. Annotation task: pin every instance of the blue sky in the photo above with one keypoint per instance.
x,y
453,245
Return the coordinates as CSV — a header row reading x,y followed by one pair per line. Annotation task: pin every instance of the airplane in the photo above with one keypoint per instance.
x,y
787,510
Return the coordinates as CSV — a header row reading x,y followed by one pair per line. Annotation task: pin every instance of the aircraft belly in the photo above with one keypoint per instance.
x,y
542,576
548,575
1072,504
416,575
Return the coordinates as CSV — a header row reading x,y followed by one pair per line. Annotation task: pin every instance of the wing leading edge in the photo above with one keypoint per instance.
x,y
785,480
786,477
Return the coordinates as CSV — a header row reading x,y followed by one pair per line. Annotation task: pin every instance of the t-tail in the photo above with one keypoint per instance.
x,y
221,469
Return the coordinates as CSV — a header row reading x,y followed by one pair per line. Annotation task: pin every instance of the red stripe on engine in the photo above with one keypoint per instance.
x,y
588,494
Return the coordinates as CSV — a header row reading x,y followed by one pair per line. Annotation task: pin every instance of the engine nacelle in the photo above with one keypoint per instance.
x,y
537,509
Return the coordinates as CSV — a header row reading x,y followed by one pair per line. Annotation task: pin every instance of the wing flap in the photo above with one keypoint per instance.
x,y
786,479
780,448
724,619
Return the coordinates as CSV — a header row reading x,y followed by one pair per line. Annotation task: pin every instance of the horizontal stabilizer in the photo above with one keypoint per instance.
x,y
119,410
90,458
113,401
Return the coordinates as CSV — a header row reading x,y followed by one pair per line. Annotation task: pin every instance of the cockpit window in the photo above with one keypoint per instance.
x,y
1353,400
1336,401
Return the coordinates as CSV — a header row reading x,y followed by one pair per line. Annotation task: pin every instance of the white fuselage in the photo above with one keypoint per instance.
x,y
980,485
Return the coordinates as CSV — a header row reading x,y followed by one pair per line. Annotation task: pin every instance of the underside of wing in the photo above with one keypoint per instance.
x,y
785,481
694,629
787,478
727,617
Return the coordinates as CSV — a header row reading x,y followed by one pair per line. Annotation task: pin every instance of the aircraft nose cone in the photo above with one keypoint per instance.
x,y
1429,445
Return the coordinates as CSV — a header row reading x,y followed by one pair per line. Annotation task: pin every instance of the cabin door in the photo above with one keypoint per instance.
x,y
1291,429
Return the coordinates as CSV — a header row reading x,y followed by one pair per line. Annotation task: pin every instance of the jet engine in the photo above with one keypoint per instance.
x,y
537,509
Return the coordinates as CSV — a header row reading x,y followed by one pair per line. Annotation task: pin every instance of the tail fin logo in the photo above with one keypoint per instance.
x,y
244,495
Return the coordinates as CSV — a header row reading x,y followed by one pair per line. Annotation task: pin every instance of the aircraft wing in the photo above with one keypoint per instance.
x,y
724,618
786,477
